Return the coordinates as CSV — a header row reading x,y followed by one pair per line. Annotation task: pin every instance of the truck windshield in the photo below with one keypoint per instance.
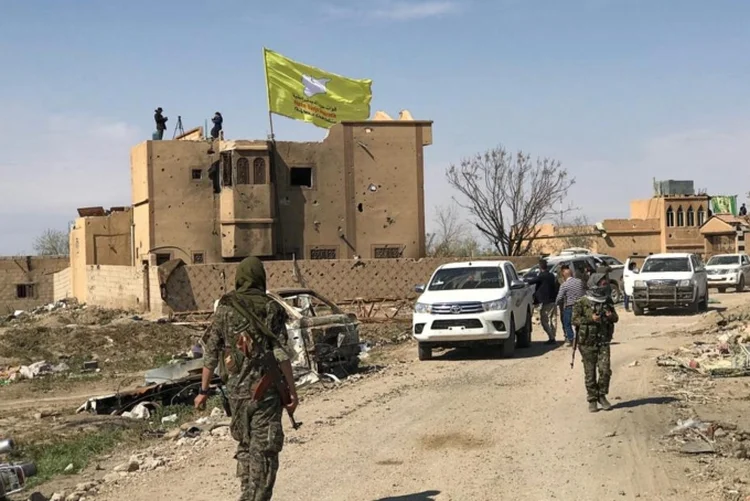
x,y
449,279
723,260
666,264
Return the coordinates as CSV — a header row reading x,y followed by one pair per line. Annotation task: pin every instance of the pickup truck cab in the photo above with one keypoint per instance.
x,y
728,270
470,303
672,280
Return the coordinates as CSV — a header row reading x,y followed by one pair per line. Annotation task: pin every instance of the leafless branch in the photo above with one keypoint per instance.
x,y
52,243
508,196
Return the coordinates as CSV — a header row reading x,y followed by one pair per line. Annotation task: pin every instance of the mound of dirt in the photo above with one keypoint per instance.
x,y
117,346
732,318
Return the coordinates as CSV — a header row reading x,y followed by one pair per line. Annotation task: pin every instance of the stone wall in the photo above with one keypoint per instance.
x,y
115,287
62,285
27,281
196,287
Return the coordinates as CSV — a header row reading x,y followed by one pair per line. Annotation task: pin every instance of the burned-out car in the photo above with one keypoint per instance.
x,y
324,338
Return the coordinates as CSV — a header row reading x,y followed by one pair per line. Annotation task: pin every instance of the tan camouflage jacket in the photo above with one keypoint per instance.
x,y
591,333
220,344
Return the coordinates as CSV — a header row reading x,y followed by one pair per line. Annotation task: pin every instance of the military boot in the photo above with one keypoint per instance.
x,y
593,407
605,403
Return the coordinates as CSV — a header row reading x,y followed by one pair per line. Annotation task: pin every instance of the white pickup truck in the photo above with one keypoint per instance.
x,y
728,270
469,303
672,280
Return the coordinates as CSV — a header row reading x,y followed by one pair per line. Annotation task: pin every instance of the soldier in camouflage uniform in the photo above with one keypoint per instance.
x,y
256,424
594,317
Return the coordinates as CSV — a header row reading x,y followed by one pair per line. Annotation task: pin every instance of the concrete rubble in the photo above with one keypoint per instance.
x,y
727,356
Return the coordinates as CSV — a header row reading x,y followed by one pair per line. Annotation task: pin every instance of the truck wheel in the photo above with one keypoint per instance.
x,y
722,290
741,284
695,306
509,345
637,310
703,305
523,340
425,351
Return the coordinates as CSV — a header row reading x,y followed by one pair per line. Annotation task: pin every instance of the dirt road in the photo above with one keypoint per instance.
x,y
467,428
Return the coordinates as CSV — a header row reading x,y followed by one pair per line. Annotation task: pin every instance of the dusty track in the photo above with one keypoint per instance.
x,y
465,428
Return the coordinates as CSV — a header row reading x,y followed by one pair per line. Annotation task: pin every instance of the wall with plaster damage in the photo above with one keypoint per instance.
x,y
359,192
27,281
196,287
62,285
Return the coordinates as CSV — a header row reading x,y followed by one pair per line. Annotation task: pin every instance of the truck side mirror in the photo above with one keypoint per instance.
x,y
419,289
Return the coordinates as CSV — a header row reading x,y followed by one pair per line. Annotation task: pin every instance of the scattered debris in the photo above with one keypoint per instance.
x,y
729,356
635,363
169,419
140,411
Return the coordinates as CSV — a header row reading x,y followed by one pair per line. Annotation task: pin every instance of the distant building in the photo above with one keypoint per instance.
x,y
676,219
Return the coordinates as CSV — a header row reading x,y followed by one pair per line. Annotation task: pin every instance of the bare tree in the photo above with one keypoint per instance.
x,y
576,232
508,196
451,236
52,243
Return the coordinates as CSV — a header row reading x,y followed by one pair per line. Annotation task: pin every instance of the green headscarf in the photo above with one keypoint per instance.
x,y
250,279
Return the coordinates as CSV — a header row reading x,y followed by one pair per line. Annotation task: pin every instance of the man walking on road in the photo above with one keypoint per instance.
x,y
545,294
236,343
570,291
594,315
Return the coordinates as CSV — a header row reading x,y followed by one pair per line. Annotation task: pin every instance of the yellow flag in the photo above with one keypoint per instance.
x,y
306,93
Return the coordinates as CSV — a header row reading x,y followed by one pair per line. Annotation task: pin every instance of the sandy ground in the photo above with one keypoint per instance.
x,y
468,427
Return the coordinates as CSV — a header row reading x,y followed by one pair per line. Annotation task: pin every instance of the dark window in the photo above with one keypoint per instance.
x,y
162,258
690,217
301,176
259,171
196,174
226,169
25,291
465,278
243,171
197,258
701,216
680,217
387,252
670,217
323,253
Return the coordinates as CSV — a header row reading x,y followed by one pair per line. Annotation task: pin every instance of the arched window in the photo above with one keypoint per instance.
x,y
690,216
259,171
243,171
670,217
701,216
680,216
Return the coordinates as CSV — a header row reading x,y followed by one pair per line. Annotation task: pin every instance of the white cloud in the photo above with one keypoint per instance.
x,y
393,10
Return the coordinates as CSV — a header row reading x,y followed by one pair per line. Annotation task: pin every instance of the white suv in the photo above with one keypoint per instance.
x,y
672,280
728,270
471,303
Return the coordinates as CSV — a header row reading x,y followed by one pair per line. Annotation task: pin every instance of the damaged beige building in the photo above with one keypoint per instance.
x,y
357,194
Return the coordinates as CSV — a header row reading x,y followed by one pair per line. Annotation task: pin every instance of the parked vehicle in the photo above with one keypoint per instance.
x,y
728,270
582,265
673,280
471,303
323,337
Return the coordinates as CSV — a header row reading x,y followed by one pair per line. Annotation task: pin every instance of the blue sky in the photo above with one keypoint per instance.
x,y
620,91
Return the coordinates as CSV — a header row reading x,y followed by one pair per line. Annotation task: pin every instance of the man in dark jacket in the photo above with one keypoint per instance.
x,y
218,122
545,295
161,123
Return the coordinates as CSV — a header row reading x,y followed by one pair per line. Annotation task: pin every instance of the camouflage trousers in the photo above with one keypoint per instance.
x,y
595,360
257,428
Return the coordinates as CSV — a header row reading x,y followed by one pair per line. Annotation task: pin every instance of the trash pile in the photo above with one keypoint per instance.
x,y
35,370
728,356
695,436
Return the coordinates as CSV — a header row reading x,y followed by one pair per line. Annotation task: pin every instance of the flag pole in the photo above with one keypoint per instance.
x,y
272,137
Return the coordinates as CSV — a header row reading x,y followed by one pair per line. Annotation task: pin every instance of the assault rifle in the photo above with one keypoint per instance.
x,y
13,477
600,310
274,377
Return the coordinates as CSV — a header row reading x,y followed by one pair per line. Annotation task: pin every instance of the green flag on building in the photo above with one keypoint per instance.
x,y
724,204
